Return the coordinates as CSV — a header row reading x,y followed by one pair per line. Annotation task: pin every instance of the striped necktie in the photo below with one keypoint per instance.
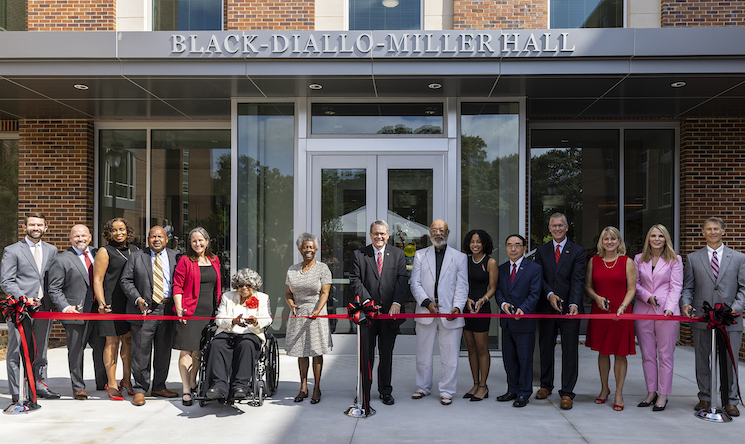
x,y
715,265
380,263
157,280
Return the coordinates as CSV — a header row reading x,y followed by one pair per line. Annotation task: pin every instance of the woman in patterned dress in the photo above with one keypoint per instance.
x,y
308,284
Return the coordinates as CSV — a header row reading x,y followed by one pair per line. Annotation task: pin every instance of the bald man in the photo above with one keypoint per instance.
x,y
439,283
71,291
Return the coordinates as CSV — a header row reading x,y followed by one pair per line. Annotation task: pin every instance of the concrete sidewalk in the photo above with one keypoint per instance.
x,y
280,420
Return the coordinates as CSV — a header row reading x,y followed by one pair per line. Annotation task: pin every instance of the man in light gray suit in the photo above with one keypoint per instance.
x,y
70,288
139,284
715,274
23,273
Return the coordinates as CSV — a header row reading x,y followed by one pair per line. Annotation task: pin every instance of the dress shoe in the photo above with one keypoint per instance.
x,y
418,394
659,408
44,392
239,393
543,393
647,404
731,410
315,400
521,401
507,397
139,399
185,401
370,411
114,394
165,393
387,399
214,393
702,405
475,398
566,403
300,396
80,395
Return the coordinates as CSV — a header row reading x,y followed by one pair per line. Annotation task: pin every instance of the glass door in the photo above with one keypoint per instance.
x,y
349,192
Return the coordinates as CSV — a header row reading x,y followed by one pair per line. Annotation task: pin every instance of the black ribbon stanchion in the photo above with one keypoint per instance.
x,y
18,312
718,318
361,313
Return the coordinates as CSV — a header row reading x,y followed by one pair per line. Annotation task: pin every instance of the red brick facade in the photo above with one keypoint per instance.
x,y
277,15
55,174
71,15
683,13
500,14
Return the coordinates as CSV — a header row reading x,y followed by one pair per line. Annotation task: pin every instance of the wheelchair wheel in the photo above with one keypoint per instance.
x,y
202,403
272,366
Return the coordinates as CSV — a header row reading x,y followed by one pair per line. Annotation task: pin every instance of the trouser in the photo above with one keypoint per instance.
x,y
702,349
231,361
40,329
152,340
449,339
547,331
78,335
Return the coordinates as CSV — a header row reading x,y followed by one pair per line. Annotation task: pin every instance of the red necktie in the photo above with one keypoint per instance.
x,y
715,265
557,254
89,266
512,274
380,263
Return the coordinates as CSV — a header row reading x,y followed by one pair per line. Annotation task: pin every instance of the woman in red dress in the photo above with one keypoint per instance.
x,y
611,283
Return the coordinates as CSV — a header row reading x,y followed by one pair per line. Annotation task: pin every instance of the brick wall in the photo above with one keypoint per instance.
x,y
679,13
55,175
500,14
278,15
71,15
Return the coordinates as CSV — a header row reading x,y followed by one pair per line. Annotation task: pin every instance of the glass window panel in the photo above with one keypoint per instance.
x,y
490,144
266,142
343,230
190,187
574,172
377,118
13,15
586,14
9,217
648,182
123,180
384,15
187,15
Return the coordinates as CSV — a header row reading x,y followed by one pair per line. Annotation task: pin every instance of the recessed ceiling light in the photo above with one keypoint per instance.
x,y
390,3
678,84
80,86
315,86
434,86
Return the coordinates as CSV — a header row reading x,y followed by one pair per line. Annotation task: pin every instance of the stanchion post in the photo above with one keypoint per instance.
x,y
355,410
20,406
714,413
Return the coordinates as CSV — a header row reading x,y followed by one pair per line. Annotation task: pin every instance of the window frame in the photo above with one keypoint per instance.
x,y
347,9
625,14
150,15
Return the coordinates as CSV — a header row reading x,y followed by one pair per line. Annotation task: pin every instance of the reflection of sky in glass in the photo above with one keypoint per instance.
x,y
199,15
369,124
538,152
372,14
267,140
500,132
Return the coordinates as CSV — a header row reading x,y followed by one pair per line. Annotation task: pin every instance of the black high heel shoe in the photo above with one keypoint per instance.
x,y
316,400
647,404
659,408
475,398
300,396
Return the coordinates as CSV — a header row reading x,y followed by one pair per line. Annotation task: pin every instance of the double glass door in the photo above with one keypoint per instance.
x,y
349,192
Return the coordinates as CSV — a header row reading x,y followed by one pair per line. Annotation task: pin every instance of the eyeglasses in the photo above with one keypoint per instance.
x,y
514,246
437,230
243,286
557,226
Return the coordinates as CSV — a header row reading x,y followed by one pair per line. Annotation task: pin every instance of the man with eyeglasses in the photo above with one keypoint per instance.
x,y
564,265
518,290
146,280
379,273
439,283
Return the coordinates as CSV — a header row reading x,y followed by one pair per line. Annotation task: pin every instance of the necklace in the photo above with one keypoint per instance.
x,y
479,261
303,270
121,254
614,263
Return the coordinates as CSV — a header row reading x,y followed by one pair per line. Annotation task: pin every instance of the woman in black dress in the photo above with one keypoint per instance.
x,y
482,284
196,292
107,270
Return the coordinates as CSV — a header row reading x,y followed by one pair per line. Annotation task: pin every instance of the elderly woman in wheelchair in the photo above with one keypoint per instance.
x,y
241,318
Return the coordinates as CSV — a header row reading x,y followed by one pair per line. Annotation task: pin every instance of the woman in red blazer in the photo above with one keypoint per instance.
x,y
659,281
196,292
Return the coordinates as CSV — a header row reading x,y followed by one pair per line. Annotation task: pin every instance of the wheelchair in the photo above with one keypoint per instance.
x,y
265,379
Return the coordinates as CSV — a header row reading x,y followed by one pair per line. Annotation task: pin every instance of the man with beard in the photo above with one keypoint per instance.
x,y
70,287
439,283
22,273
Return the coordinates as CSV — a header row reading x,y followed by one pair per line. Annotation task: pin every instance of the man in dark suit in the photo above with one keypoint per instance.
x,y
146,280
564,265
379,273
23,273
70,288
714,274
518,291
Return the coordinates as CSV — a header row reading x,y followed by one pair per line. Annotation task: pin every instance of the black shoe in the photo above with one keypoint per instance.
x,y
45,393
660,408
214,393
521,401
507,397
239,393
647,404
387,399
370,411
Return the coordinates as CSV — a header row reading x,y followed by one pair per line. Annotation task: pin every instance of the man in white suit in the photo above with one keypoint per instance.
x,y
714,274
439,283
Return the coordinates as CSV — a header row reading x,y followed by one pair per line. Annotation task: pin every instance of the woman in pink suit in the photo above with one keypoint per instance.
x,y
659,280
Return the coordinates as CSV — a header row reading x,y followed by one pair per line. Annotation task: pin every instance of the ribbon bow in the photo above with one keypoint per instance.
x,y
718,318
18,311
362,312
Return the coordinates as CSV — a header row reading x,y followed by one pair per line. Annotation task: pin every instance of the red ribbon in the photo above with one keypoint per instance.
x,y
19,312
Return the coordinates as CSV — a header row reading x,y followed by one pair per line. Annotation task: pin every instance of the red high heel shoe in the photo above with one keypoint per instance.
x,y
130,392
117,396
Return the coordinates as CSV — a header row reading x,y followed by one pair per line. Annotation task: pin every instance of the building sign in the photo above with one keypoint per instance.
x,y
377,44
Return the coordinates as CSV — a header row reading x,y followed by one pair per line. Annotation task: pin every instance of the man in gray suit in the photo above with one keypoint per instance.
x,y
715,274
146,280
70,288
22,273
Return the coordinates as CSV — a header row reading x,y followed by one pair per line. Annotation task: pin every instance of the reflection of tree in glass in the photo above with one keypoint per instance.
x,y
8,193
556,172
403,129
